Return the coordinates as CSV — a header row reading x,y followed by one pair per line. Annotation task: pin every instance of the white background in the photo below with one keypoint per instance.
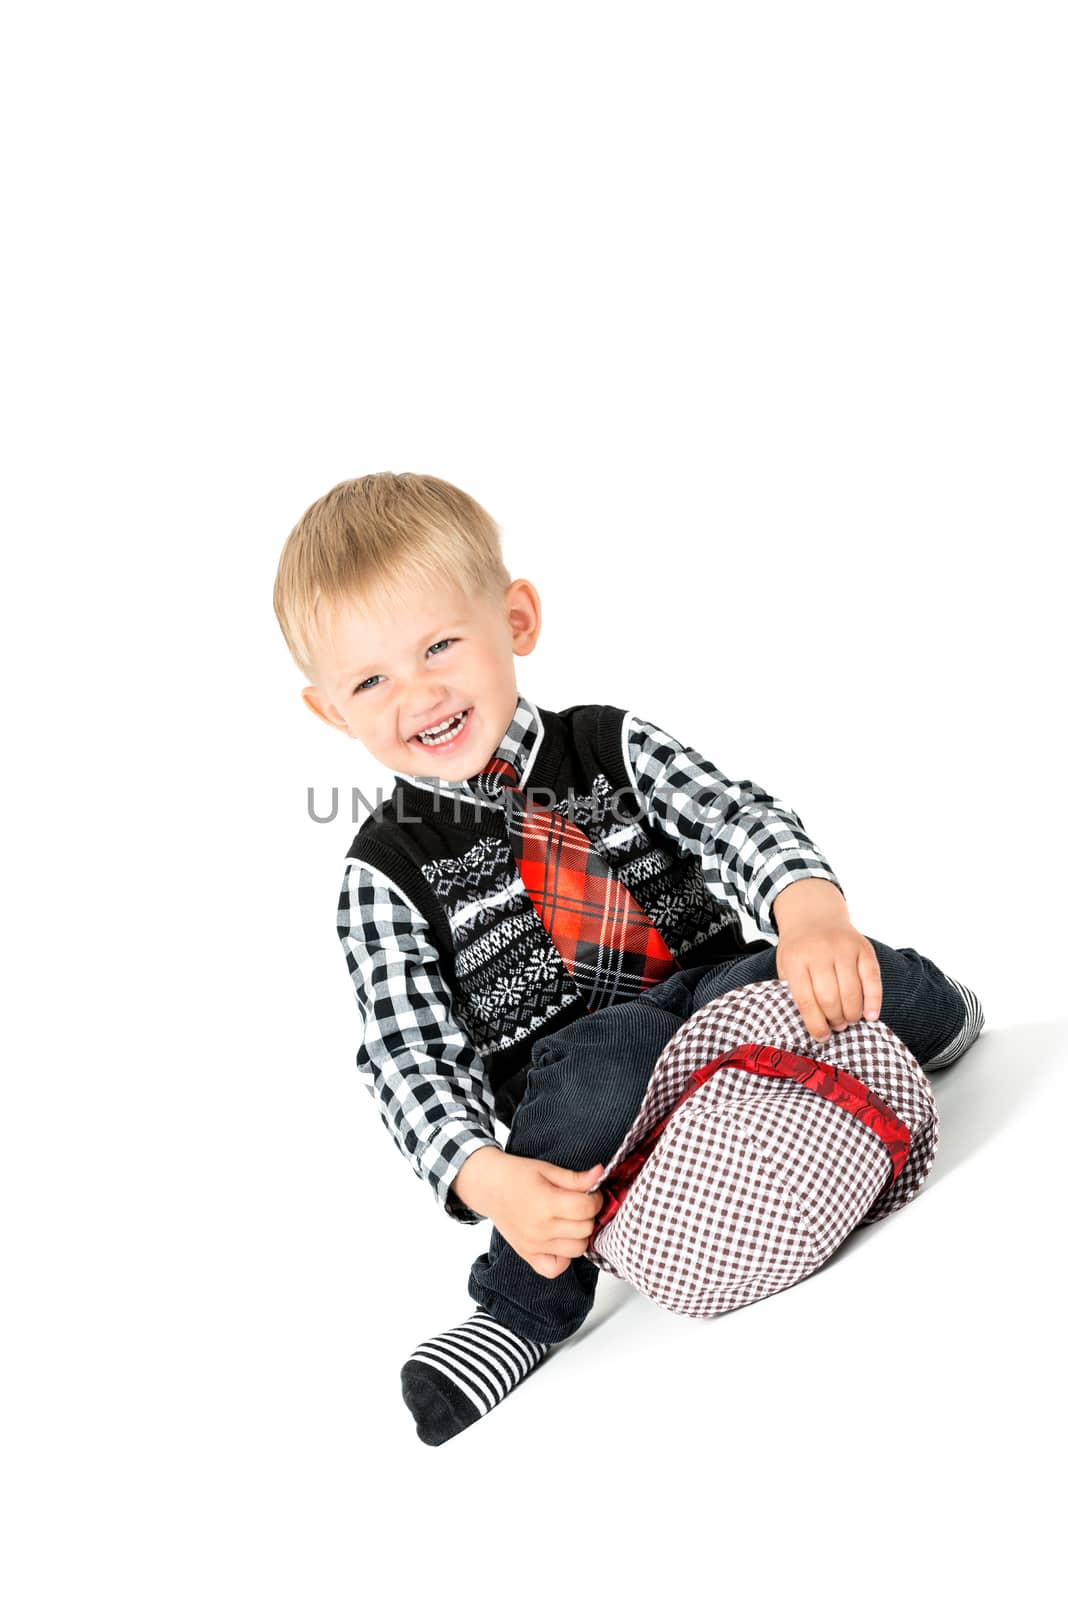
x,y
747,323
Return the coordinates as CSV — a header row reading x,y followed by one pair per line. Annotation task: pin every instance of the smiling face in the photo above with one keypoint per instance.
x,y
382,676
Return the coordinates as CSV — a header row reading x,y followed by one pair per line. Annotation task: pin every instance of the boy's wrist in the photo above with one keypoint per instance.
x,y
808,898
477,1179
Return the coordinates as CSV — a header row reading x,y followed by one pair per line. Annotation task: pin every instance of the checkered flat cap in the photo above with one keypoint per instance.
x,y
751,1159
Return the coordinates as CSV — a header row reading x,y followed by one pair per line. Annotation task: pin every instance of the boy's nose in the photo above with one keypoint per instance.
x,y
418,719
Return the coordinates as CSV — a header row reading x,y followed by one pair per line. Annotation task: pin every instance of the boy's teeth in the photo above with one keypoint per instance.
x,y
442,731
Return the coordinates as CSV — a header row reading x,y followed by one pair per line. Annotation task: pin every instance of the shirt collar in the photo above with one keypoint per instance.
x,y
520,744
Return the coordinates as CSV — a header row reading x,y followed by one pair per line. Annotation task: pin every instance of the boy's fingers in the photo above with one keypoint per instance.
x,y
549,1266
871,978
840,993
564,1178
850,990
578,1208
569,1228
809,1007
563,1245
829,997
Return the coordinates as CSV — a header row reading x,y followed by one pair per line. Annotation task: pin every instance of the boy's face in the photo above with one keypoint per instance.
x,y
382,678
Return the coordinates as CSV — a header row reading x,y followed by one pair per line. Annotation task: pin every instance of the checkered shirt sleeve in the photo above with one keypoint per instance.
x,y
428,1079
751,845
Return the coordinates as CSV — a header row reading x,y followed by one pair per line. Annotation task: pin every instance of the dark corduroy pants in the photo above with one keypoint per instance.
x,y
587,1081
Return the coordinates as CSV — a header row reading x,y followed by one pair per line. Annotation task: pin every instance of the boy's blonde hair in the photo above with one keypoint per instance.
x,y
369,539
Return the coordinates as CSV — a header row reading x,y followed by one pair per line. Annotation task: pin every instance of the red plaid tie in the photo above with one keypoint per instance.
x,y
607,941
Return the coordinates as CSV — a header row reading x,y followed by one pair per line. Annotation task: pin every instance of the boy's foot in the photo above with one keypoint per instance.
x,y
969,1032
451,1381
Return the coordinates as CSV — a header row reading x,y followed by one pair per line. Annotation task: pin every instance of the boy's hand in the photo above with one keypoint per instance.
x,y
543,1211
831,968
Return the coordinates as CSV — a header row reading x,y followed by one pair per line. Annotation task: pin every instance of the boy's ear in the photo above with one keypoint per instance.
x,y
523,611
315,700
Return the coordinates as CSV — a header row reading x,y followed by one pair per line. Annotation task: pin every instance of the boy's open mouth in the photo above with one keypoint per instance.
x,y
442,733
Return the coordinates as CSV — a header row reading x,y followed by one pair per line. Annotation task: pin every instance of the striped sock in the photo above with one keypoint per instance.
x,y
969,1032
451,1381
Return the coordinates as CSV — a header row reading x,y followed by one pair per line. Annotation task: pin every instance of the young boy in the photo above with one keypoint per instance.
x,y
395,603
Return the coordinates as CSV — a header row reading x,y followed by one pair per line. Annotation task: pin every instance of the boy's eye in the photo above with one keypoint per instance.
x,y
430,650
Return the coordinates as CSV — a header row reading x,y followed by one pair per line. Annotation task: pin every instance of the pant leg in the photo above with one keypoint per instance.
x,y
585,1085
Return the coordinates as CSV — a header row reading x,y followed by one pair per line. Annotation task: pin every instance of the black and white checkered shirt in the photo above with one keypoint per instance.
x,y
750,844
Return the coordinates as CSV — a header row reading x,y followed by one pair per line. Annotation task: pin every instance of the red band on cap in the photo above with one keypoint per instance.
x,y
769,1062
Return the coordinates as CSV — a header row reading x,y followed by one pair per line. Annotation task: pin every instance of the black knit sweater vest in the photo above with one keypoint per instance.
x,y
452,859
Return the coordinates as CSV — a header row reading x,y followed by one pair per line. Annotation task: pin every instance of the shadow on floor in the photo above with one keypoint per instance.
x,y
983,1092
